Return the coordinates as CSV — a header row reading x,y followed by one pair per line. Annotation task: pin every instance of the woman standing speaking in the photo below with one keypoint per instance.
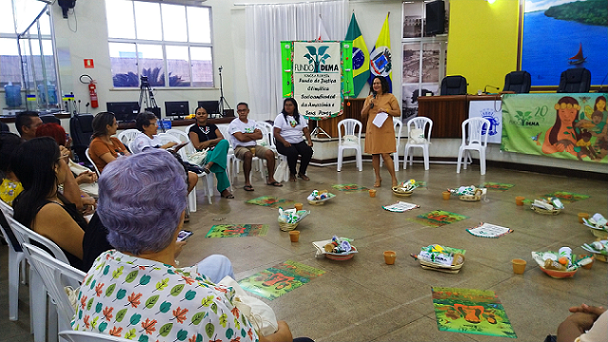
x,y
380,141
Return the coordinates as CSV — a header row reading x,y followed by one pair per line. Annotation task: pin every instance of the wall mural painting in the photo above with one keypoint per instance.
x,y
563,34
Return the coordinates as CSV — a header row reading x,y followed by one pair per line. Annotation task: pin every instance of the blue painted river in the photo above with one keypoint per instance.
x,y
548,43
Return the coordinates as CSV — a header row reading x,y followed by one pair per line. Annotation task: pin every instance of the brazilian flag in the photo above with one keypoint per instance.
x,y
360,56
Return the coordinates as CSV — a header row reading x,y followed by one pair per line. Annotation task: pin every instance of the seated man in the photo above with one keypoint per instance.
x,y
243,136
137,291
26,123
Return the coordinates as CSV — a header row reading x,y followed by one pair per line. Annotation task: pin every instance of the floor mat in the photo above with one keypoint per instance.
x,y
438,218
568,197
237,230
280,279
497,186
272,202
349,187
471,311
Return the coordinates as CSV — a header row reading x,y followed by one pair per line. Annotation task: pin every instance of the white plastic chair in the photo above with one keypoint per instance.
x,y
268,133
16,262
397,126
230,157
235,167
7,209
426,125
38,298
352,128
127,136
91,161
474,137
166,138
86,336
55,275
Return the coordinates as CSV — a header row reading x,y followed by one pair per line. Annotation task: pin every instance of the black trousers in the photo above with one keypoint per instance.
x,y
292,152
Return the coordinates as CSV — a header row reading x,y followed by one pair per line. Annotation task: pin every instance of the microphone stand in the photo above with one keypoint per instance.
x,y
222,100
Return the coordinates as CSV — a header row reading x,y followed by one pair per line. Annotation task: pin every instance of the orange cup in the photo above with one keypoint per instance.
x,y
389,257
294,236
519,200
582,216
298,206
519,266
372,192
446,195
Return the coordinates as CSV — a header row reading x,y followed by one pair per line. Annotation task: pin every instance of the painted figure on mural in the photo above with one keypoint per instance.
x,y
561,137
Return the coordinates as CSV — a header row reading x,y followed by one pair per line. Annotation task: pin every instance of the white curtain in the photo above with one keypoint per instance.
x,y
267,26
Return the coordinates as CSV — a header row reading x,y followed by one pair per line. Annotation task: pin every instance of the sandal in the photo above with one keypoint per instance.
x,y
248,188
275,183
304,177
229,194
292,178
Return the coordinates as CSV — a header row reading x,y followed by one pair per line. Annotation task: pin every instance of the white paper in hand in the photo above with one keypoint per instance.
x,y
379,119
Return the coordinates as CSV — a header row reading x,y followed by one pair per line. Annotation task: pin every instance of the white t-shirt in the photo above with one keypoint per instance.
x,y
142,141
239,126
291,130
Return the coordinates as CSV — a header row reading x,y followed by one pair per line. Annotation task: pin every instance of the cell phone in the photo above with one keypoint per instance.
x,y
183,235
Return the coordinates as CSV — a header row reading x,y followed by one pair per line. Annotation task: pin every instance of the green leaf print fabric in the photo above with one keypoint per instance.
x,y
143,300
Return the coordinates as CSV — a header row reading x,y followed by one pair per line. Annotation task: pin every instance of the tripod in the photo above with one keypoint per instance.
x,y
222,98
147,96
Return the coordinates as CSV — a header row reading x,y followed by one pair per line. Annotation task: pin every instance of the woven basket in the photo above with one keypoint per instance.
x,y
287,227
316,202
397,191
545,211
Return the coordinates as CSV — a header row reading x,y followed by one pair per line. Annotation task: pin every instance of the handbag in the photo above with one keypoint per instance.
x,y
257,312
417,136
282,173
198,157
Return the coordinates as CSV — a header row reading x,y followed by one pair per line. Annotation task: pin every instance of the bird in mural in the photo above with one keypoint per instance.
x,y
536,137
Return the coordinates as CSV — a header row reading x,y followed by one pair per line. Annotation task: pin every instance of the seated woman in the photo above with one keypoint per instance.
x,y
11,186
143,210
85,178
205,135
146,124
41,168
104,148
290,129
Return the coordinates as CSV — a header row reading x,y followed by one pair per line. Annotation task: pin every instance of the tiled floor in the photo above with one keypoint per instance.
x,y
364,299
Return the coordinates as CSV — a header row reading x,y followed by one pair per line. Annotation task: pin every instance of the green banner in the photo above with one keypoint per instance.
x,y
565,126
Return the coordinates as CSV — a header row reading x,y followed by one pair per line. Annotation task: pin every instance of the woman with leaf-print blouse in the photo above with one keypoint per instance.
x,y
136,291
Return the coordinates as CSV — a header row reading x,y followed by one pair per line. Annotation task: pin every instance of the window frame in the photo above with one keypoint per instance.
x,y
164,43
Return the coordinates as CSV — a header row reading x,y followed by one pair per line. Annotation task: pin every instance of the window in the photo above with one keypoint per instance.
x,y
170,44
26,57
424,57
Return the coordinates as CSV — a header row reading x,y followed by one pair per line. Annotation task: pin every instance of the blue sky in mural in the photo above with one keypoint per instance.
x,y
548,44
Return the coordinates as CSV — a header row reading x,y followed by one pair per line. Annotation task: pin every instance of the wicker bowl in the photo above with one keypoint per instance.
x,y
600,233
316,202
397,191
287,227
558,274
545,211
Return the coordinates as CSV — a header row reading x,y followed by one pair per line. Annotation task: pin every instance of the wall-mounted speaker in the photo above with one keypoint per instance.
x,y
435,18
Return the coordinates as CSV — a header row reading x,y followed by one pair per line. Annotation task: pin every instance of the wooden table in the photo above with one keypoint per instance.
x,y
448,112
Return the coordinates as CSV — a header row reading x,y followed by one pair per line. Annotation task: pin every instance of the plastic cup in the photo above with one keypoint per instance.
x,y
294,236
298,206
389,257
588,266
446,195
582,216
519,266
372,193
252,151
519,200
